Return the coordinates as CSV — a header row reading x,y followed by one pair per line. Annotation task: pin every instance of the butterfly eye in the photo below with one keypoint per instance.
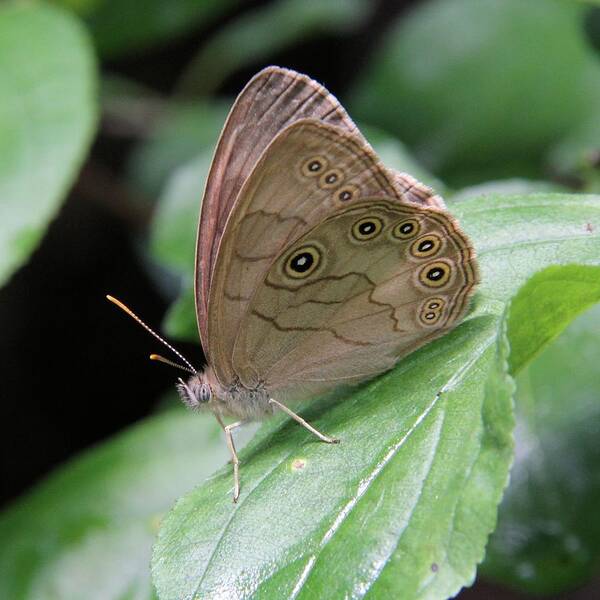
x,y
427,245
406,229
435,274
314,166
367,228
302,262
204,393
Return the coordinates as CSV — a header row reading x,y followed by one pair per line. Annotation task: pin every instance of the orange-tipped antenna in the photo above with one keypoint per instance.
x,y
162,359
150,330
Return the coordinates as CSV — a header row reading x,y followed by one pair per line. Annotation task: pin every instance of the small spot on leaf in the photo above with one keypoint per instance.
x,y
298,464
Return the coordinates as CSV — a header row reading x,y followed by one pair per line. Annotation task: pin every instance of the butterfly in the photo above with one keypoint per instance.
x,y
316,266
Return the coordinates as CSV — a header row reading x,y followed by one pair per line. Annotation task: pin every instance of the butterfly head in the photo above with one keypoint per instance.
x,y
196,393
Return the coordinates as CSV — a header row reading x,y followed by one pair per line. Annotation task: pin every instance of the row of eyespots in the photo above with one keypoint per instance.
x,y
425,246
431,311
304,261
329,179
435,274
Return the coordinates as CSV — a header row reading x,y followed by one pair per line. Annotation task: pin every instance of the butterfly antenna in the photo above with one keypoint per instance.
x,y
127,310
162,359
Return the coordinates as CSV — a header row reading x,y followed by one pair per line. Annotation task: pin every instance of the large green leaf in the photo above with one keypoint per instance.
x,y
548,536
405,503
47,118
481,88
407,499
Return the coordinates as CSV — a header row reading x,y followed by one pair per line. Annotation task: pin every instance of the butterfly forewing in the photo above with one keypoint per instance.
x,y
308,172
271,101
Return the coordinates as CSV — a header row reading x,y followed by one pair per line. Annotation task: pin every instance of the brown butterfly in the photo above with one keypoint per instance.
x,y
316,266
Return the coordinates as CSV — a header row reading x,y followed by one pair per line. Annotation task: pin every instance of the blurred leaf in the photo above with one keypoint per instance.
x,y
125,26
409,508
180,320
505,187
81,7
173,236
47,118
395,155
548,302
88,529
548,536
184,133
173,241
481,85
578,155
256,35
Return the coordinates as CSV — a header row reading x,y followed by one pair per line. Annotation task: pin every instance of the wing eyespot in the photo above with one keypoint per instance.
x,y
426,246
431,311
346,193
314,166
302,262
367,228
436,274
331,179
406,229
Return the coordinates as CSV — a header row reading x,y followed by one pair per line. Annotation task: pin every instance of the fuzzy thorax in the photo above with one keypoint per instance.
x,y
203,391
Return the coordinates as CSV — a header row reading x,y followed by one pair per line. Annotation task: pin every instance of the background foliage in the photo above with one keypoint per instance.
x,y
109,112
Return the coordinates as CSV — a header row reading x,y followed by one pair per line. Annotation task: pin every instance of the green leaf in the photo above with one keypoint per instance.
x,y
258,34
547,303
173,241
482,87
87,531
548,536
577,156
47,118
516,236
183,134
409,496
395,155
506,187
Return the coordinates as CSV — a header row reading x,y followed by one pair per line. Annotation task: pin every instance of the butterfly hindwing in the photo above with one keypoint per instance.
x,y
365,287
272,100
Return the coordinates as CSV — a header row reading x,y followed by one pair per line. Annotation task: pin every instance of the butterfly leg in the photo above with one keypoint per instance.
x,y
306,424
234,457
